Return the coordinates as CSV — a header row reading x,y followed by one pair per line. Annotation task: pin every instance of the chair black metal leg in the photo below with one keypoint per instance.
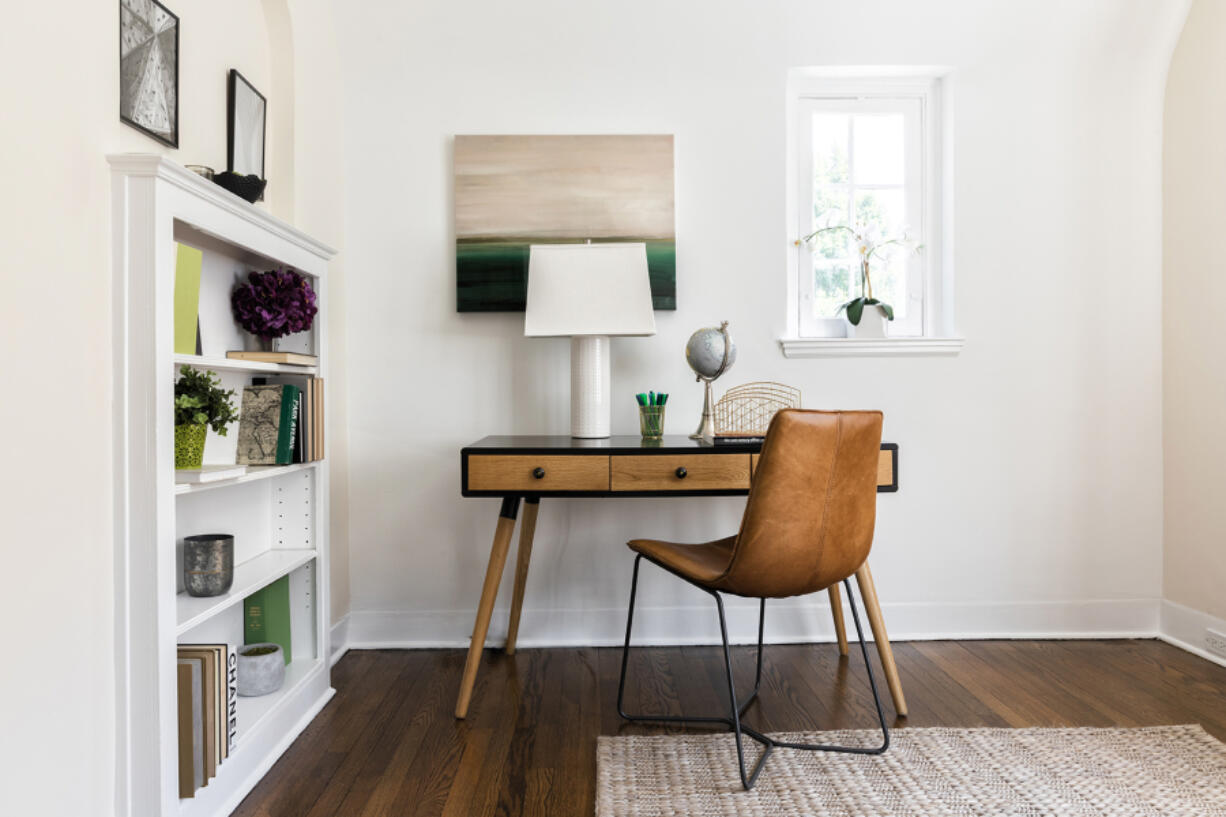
x,y
736,708
746,781
621,684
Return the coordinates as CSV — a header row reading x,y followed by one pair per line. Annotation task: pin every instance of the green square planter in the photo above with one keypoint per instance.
x,y
189,445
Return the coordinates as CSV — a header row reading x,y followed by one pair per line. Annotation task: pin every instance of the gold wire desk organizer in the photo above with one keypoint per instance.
x,y
746,410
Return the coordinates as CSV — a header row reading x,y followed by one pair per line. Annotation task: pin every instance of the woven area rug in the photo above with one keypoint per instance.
x,y
1166,771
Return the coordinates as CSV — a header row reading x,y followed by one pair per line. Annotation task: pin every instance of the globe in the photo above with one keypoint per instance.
x,y
705,351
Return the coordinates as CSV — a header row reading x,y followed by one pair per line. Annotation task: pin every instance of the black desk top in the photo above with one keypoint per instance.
x,y
617,444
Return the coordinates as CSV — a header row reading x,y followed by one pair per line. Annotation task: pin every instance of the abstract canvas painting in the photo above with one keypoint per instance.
x,y
515,191
149,69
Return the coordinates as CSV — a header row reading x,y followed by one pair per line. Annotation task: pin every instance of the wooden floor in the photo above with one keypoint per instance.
x,y
388,743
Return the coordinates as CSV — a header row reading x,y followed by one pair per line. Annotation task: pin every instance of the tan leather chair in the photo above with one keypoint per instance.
x,y
808,524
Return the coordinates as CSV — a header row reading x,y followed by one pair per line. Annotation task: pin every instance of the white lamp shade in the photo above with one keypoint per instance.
x,y
588,289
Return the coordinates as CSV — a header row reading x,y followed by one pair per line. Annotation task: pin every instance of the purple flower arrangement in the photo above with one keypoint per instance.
x,y
274,304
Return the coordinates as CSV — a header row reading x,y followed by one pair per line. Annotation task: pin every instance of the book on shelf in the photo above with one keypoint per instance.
x,y
266,617
218,703
209,473
288,358
308,444
191,726
231,699
266,424
211,710
189,261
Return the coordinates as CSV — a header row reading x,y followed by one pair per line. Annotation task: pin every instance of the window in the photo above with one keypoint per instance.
x,y
865,155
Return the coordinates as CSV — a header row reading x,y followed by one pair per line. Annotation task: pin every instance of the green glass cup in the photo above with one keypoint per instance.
x,y
651,422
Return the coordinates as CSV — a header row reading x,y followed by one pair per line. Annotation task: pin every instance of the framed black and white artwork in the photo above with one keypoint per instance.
x,y
149,69
245,127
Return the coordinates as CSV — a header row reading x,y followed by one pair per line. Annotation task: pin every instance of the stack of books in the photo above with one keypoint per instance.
x,y
208,712
281,421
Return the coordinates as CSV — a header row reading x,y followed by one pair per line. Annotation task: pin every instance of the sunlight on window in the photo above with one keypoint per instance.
x,y
859,177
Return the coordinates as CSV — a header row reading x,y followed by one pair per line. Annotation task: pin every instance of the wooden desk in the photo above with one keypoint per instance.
x,y
528,468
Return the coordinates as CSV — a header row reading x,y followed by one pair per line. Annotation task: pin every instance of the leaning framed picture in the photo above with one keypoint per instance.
x,y
149,69
245,120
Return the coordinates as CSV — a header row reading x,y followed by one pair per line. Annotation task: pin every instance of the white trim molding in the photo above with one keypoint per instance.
x,y
1184,628
338,640
786,623
871,347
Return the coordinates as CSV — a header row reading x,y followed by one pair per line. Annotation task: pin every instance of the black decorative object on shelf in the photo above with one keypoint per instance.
x,y
249,188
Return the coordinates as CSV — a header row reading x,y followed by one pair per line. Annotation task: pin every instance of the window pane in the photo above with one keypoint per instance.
x,y
879,149
830,148
830,207
832,288
885,210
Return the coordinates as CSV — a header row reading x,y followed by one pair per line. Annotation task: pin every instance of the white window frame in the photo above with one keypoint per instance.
x,y
929,327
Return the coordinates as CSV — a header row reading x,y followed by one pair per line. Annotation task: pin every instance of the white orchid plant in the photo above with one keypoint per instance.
x,y
869,246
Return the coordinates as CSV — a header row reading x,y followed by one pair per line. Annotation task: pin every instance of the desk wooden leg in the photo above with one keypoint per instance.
x,y
527,528
868,592
836,609
489,591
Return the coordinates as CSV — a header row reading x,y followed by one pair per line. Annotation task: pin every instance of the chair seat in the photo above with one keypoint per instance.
x,y
702,564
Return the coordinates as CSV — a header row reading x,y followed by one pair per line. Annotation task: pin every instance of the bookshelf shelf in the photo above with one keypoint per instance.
x,y
255,473
226,364
280,523
249,576
253,712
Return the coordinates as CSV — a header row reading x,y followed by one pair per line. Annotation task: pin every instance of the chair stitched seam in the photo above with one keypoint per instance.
x,y
834,461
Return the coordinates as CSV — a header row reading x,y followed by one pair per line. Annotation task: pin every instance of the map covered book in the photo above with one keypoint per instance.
x,y
266,425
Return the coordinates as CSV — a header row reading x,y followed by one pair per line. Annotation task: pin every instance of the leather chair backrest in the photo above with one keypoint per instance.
x,y
812,506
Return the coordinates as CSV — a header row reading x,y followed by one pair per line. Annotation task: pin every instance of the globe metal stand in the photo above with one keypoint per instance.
x,y
706,426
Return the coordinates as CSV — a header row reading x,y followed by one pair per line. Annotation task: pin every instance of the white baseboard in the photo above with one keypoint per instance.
x,y
338,640
786,622
1185,628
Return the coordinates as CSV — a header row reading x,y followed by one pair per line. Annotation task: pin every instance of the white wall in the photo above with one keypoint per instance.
x,y
60,97
1031,465
319,210
1194,283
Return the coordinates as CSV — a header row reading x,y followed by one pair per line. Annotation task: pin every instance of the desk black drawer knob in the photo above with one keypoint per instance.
x,y
539,473
681,472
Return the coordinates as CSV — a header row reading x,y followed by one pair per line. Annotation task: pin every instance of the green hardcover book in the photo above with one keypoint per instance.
x,y
266,617
288,429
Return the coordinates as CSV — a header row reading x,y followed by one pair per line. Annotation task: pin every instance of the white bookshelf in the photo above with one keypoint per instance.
x,y
277,514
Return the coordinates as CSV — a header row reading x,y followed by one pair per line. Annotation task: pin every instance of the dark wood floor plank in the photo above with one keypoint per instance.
x,y
388,744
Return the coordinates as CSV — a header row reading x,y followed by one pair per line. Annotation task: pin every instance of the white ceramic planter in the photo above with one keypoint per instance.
x,y
872,324
260,674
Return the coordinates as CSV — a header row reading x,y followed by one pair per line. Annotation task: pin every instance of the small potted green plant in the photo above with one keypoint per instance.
x,y
200,402
866,316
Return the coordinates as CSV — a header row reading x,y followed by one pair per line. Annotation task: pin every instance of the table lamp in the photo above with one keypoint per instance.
x,y
588,292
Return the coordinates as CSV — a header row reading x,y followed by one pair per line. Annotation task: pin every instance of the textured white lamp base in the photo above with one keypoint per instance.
x,y
590,403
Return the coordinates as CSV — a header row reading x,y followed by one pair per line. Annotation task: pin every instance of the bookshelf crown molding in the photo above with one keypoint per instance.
x,y
155,166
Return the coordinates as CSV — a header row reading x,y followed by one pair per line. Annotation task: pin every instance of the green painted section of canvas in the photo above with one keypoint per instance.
x,y
492,276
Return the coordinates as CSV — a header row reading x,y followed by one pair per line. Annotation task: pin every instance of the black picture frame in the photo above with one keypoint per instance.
x,y
173,139
232,88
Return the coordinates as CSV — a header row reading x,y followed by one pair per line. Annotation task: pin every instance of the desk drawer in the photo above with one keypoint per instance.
x,y
518,472
660,472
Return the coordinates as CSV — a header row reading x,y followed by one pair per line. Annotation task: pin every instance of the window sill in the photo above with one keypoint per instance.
x,y
874,347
